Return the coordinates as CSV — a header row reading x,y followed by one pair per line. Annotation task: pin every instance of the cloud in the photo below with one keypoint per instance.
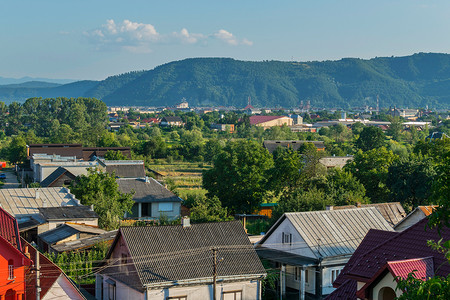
x,y
139,37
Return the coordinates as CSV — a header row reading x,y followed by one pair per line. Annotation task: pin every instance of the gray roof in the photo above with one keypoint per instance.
x,y
126,171
272,145
67,230
333,232
392,212
55,175
23,203
167,255
86,242
67,213
150,191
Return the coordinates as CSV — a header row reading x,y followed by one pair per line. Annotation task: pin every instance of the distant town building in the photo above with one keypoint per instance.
x,y
222,127
270,121
171,121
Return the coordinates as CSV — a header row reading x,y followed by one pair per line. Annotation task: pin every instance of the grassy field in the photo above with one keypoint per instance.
x,y
185,177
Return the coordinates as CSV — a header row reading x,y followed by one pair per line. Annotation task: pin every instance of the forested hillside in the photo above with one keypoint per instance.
x,y
418,80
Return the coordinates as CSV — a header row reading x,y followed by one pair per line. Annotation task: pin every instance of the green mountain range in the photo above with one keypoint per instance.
x,y
411,81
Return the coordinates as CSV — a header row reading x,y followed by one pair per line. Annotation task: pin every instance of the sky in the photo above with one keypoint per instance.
x,y
94,39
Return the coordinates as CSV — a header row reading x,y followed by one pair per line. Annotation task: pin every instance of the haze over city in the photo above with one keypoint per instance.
x,y
96,39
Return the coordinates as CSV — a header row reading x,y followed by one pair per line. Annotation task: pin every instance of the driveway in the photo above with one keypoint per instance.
x,y
11,179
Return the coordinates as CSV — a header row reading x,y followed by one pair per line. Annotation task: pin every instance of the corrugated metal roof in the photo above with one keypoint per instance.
x,y
24,203
9,229
166,254
332,233
67,213
393,212
151,191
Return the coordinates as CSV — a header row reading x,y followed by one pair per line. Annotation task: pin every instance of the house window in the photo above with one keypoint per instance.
x,y
146,210
334,275
286,238
177,298
232,295
306,276
166,206
111,289
297,273
10,269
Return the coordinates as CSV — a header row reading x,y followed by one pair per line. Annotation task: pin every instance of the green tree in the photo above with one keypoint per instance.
x,y
102,191
395,128
371,137
285,176
238,177
344,188
410,180
204,209
115,155
371,169
16,152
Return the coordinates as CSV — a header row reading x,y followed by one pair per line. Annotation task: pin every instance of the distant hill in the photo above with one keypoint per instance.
x,y
411,81
5,80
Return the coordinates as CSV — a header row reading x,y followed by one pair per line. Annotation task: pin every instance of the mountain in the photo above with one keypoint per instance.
x,y
411,81
5,80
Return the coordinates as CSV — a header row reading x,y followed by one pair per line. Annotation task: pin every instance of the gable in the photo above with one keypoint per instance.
x,y
298,246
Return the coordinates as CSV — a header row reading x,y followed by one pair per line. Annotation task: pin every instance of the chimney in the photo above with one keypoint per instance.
x,y
146,179
329,207
44,203
38,195
186,222
27,254
358,204
91,208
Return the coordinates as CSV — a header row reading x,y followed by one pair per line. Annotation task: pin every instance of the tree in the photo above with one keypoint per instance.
x,y
204,209
311,157
285,176
371,169
395,128
16,152
192,144
102,191
115,155
371,137
344,188
238,177
410,180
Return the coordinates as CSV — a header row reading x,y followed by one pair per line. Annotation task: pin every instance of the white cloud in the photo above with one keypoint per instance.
x,y
139,37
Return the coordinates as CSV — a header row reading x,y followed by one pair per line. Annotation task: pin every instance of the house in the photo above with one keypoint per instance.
x,y
223,127
74,150
171,121
272,145
415,216
24,204
270,121
311,248
123,168
41,171
152,199
178,262
66,233
56,216
60,177
372,270
18,276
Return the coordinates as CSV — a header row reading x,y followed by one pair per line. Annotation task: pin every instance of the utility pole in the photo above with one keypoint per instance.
x,y
214,251
38,277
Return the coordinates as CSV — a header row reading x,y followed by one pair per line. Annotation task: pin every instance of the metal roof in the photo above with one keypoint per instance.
x,y
393,212
55,175
331,233
175,254
67,230
146,191
25,202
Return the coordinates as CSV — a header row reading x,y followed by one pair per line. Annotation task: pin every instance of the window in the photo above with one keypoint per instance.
x,y
334,275
146,210
10,269
306,276
297,274
286,238
232,295
165,206
111,289
177,298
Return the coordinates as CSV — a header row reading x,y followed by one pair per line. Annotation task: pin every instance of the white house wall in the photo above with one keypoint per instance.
x,y
251,290
387,281
298,245
310,285
62,289
122,291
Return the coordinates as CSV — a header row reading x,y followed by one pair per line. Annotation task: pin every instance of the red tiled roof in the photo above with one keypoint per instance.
x,y
249,107
409,244
423,267
370,241
261,119
9,229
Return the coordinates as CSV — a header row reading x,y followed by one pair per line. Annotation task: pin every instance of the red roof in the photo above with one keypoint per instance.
x,y
261,119
9,229
423,268
370,241
346,291
409,244
249,107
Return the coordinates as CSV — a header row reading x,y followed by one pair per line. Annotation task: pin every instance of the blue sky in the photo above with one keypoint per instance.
x,y
93,39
